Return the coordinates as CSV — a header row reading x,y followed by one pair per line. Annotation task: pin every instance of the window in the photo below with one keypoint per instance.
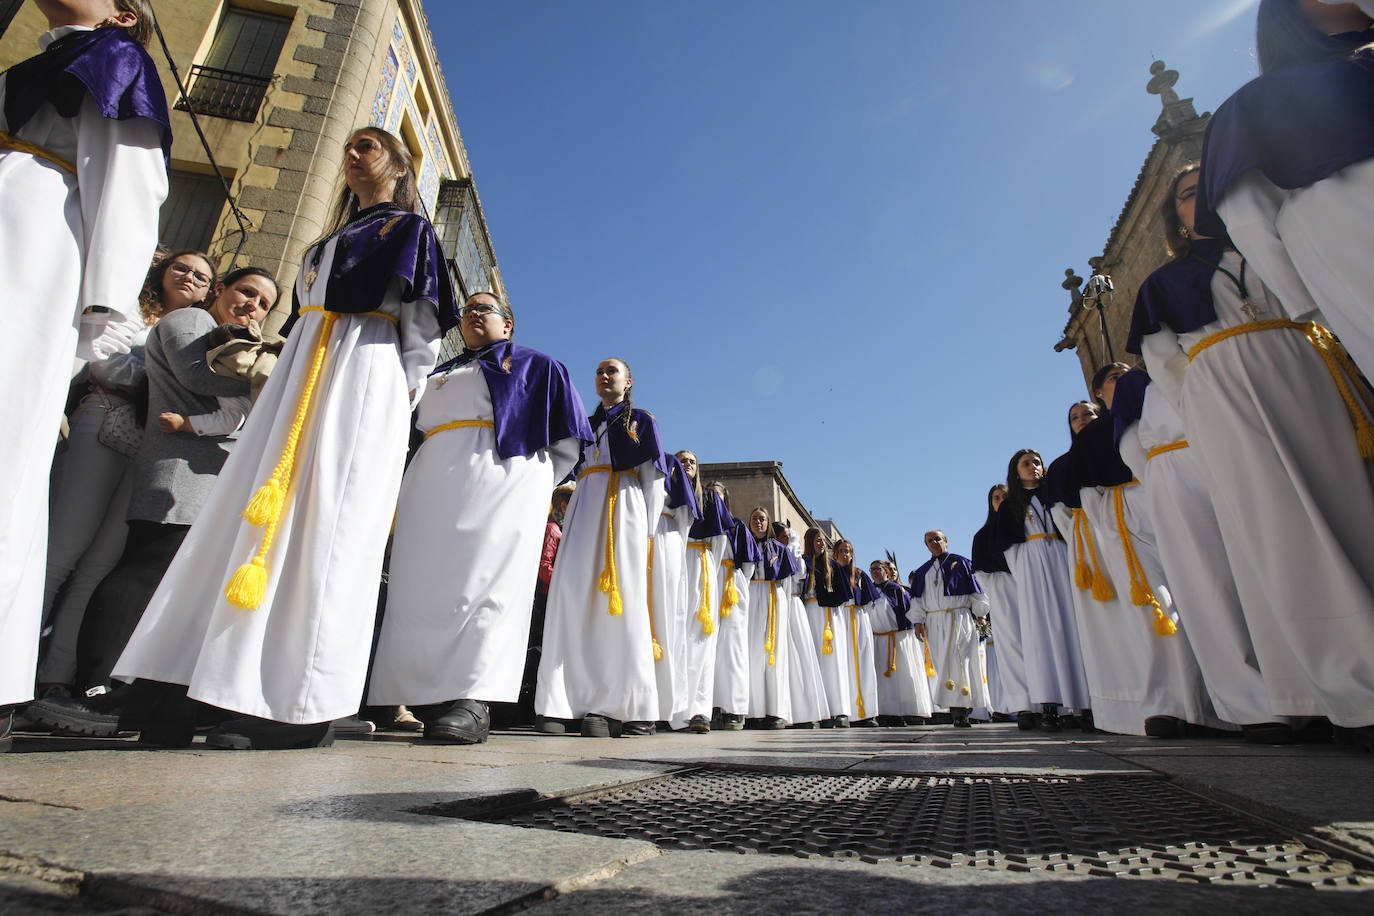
x,y
191,212
234,78
457,222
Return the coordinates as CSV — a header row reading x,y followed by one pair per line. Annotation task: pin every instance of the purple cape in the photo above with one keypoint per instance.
x,y
986,557
957,573
1096,461
680,492
1178,295
900,601
1008,529
534,404
775,561
381,242
713,520
1061,484
105,63
627,453
1128,401
1297,125
745,548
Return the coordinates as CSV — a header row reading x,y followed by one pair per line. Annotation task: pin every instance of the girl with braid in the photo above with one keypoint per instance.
x,y
599,647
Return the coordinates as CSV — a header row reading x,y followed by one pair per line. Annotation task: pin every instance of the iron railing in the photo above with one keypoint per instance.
x,y
226,93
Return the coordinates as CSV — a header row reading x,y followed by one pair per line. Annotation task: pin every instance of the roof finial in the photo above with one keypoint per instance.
x,y
1162,83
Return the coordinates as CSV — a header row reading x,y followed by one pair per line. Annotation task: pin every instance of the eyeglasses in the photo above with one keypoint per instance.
x,y
181,270
480,309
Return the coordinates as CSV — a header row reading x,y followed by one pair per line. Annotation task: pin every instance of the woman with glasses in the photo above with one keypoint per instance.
x,y
268,610
503,425
599,644
92,478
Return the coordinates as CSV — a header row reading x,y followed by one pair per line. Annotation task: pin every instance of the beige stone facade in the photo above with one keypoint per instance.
x,y
761,483
1135,247
278,87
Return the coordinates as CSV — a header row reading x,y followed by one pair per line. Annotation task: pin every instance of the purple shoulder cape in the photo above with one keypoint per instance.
x,y
957,573
534,404
1128,401
629,452
1297,125
986,557
866,592
713,520
1178,295
900,601
775,562
745,548
1061,482
680,492
381,242
106,64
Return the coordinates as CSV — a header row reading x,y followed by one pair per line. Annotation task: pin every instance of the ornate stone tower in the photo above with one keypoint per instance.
x,y
1099,317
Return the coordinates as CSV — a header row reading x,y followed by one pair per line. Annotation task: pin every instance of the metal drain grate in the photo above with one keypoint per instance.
x,y
1130,826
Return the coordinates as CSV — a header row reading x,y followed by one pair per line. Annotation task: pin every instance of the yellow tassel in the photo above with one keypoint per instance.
x,y
1083,574
658,651
949,685
248,585
1141,596
827,636
708,626
860,704
1102,589
930,666
1164,626
964,691
265,506
615,605
729,596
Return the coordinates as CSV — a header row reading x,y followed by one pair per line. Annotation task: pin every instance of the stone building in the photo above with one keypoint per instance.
x,y
277,88
1135,246
761,483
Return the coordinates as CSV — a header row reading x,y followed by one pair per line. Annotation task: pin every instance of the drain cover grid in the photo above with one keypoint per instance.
x,y
1129,826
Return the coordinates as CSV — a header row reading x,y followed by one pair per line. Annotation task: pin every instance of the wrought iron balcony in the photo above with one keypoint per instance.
x,y
225,93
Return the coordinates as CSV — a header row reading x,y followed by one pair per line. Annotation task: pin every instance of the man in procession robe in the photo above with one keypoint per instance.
x,y
945,600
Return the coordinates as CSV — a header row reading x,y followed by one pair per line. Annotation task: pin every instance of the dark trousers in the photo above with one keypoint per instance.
x,y
118,602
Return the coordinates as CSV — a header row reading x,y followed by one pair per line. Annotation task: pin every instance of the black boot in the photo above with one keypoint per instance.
x,y
249,733
1049,718
456,722
959,716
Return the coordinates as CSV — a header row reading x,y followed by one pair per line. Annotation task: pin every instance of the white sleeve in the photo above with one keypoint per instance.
x,y
564,454
419,330
655,494
1250,211
1133,452
1166,362
223,421
980,604
123,181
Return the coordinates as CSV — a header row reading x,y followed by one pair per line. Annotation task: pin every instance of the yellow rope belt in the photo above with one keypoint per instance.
x,y
248,585
729,594
1051,535
9,141
1141,593
827,635
930,665
1337,361
658,649
858,681
319,308
1086,576
1166,447
608,582
708,626
770,632
891,651
460,424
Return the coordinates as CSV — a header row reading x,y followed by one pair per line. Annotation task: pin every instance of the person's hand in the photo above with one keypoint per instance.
x,y
919,629
171,422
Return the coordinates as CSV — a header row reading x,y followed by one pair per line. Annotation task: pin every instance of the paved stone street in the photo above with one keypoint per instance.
x,y
918,819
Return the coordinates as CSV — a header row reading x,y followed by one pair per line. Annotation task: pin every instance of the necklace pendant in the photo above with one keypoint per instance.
x,y
1250,309
310,279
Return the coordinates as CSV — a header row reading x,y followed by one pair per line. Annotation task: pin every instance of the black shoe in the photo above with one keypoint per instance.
x,y
914,721
598,726
958,716
1049,718
891,722
1165,727
842,721
6,728
1070,721
459,722
1085,721
249,733
1027,721
772,723
699,725
545,725
105,715
828,723
354,727
637,729
804,725
864,723
1269,733
731,722
1361,738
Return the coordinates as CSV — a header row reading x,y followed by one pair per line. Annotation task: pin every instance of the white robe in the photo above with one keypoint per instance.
x,y
1195,562
866,702
770,691
953,641
733,662
1166,680
593,662
668,591
703,579
67,242
1054,661
806,684
1293,498
1009,691
301,656
465,556
899,666
837,665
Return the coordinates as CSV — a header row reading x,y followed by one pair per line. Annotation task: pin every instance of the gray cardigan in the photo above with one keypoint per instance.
x,y
174,472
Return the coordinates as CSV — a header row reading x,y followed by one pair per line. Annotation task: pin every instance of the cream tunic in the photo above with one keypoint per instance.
x,y
953,641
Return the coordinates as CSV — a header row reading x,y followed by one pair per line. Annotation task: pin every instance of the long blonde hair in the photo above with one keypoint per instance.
x,y
406,197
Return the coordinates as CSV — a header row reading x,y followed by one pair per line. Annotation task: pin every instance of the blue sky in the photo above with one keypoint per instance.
x,y
828,234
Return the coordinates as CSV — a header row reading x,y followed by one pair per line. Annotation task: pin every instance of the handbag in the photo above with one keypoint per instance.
x,y
119,428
